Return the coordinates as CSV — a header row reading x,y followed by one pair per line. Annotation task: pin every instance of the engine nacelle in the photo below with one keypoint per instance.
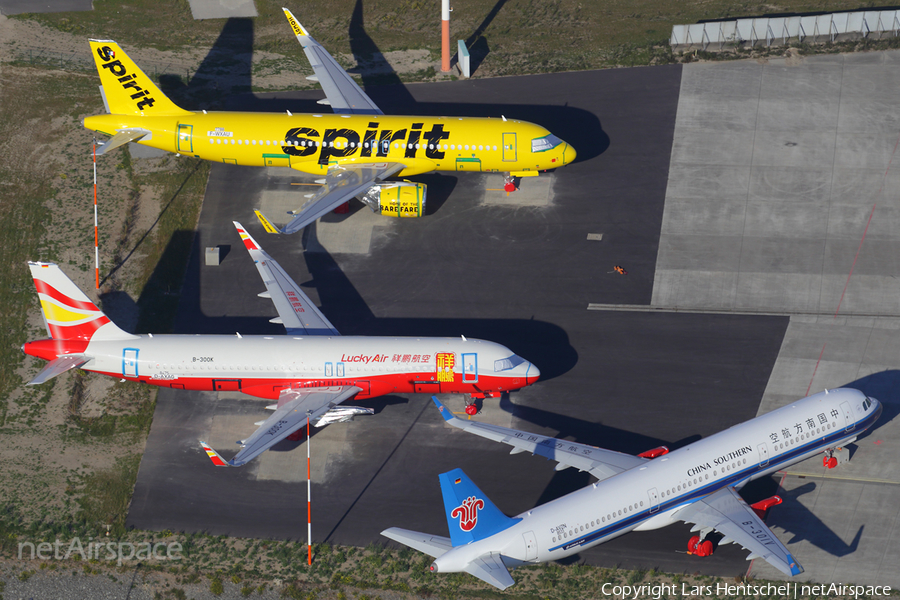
x,y
397,198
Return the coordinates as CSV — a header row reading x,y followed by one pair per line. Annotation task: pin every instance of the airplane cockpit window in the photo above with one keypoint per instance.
x,y
505,364
866,404
542,144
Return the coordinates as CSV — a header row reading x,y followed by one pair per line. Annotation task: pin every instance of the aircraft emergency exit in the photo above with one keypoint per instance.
x,y
355,149
309,371
696,484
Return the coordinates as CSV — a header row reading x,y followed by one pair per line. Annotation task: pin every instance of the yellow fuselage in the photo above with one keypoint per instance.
x,y
312,143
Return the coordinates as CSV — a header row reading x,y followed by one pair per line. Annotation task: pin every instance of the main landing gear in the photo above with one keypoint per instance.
x,y
511,183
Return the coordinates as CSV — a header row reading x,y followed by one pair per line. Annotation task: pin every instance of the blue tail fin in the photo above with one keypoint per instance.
x,y
470,515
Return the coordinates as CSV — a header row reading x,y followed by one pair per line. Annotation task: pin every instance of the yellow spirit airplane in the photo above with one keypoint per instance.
x,y
355,149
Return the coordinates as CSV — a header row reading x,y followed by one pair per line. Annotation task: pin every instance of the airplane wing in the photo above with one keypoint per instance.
x,y
432,545
342,93
294,407
598,462
341,184
726,512
490,569
58,366
295,310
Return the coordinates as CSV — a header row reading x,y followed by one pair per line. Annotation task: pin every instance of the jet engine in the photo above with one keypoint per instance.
x,y
396,198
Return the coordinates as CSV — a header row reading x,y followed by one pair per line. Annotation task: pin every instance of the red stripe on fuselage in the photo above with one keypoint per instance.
x,y
270,388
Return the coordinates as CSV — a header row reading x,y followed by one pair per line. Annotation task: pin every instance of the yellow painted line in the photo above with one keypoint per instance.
x,y
316,184
840,478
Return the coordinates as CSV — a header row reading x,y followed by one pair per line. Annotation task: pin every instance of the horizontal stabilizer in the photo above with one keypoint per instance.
x,y
490,569
58,366
122,137
432,545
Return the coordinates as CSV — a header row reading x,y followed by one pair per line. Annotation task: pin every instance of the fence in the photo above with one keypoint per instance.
x,y
781,30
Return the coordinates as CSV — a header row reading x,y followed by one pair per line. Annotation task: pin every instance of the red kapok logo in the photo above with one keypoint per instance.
x,y
468,512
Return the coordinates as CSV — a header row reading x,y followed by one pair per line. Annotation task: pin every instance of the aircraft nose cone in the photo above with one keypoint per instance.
x,y
569,154
532,374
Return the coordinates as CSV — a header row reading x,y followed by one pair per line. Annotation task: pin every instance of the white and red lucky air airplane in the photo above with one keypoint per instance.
x,y
309,371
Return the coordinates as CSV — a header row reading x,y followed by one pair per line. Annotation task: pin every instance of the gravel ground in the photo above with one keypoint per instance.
x,y
73,584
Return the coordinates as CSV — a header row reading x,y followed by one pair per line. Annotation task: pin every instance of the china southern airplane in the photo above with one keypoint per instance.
x,y
696,484
355,149
309,371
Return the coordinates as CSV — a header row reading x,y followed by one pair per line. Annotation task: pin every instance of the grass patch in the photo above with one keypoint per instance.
x,y
106,495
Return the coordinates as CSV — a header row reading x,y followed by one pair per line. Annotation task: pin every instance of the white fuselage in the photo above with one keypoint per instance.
x,y
262,366
645,497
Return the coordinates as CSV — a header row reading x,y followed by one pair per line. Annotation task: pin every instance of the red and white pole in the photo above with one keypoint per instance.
x,y
445,35
308,499
96,233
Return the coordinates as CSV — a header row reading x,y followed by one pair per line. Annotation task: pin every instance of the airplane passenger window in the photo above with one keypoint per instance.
x,y
554,539
480,147
495,147
467,146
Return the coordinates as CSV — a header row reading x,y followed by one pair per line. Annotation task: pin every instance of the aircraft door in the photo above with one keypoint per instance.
x,y
470,368
185,138
329,369
654,500
130,362
340,369
849,422
509,147
530,545
763,454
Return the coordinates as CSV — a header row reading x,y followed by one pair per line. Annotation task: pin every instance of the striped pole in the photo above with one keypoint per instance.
x,y
96,234
308,499
445,35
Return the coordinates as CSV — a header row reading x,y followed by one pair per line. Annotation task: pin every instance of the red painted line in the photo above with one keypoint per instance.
x,y
850,274
816,369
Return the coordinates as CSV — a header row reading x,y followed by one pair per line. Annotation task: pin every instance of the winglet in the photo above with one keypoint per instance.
x,y
794,567
295,24
267,225
445,412
248,240
214,456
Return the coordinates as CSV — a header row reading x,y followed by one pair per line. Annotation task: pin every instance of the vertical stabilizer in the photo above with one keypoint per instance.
x,y
470,515
68,313
126,89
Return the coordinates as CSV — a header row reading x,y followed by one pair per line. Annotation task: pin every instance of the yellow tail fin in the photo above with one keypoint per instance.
x,y
127,89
